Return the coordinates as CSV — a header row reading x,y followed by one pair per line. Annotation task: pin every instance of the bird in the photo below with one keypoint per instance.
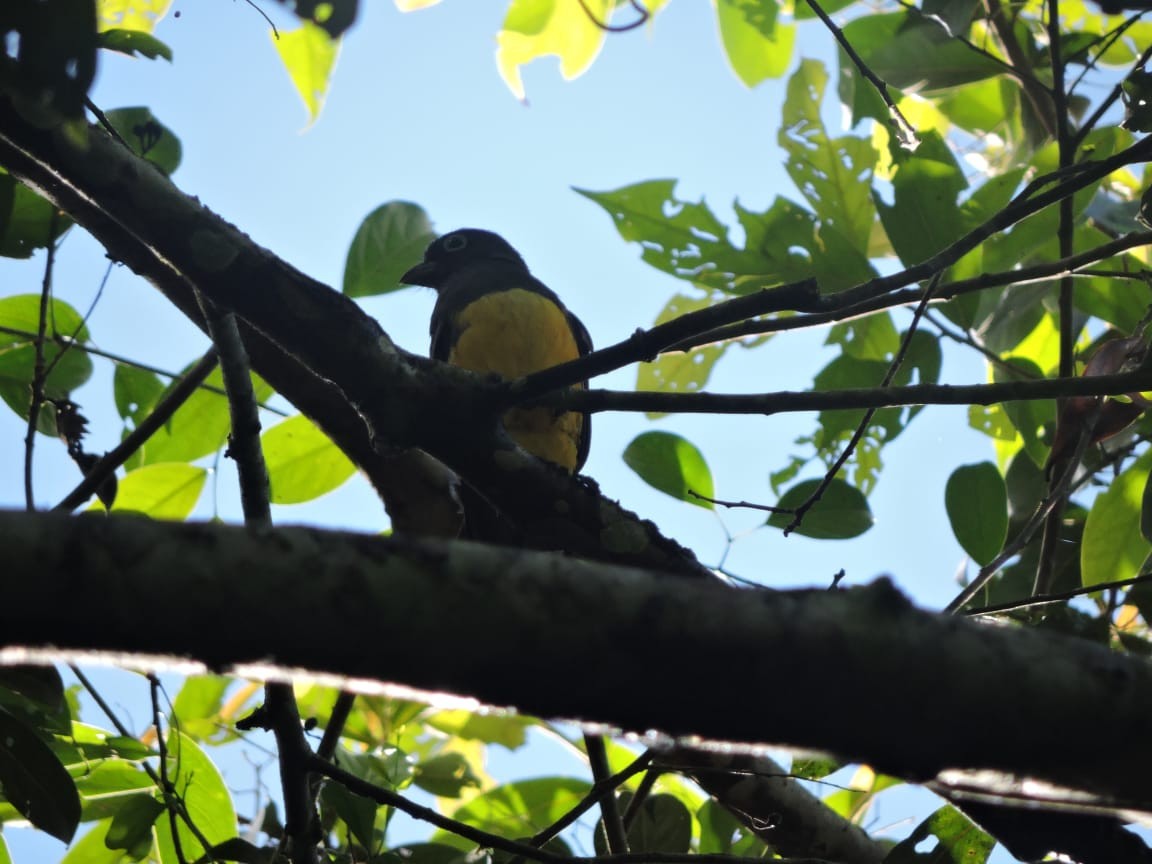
x,y
493,316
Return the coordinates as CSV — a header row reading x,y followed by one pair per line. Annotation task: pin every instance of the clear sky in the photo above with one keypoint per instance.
x,y
418,112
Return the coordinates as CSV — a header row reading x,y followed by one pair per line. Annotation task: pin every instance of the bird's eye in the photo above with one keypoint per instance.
x,y
455,242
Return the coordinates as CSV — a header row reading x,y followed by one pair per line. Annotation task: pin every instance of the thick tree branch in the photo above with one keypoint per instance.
x,y
508,619
322,352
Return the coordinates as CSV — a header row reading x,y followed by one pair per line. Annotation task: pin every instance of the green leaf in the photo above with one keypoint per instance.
x,y
832,174
5,855
107,786
671,464
356,811
309,55
147,136
538,28
196,708
200,426
90,848
391,239
302,461
906,51
139,15
680,372
135,391
841,513
782,244
134,43
977,502
198,782
446,775
517,809
35,782
131,828
166,490
428,853
924,216
507,730
1029,417
662,825
757,45
957,839
871,338
26,222
69,367
1113,547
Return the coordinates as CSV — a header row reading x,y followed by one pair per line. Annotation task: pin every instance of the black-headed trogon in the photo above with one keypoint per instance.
x,y
493,316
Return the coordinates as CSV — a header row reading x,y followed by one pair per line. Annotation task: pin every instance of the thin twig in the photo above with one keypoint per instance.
x,y
167,788
618,28
595,795
905,131
791,402
1046,599
614,835
136,439
152,773
39,376
866,420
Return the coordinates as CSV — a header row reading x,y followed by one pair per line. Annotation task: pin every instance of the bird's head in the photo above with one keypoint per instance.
x,y
457,250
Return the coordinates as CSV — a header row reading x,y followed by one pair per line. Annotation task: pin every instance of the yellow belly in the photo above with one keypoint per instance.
x,y
512,334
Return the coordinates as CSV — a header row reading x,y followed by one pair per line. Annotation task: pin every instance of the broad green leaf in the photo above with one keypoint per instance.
x,y
686,239
662,824
977,503
199,427
90,848
22,312
671,464
518,809
197,706
26,222
391,239
428,853
134,43
507,730
538,28
956,838
446,775
147,137
141,15
833,175
68,366
131,828
104,787
852,801
355,811
302,461
908,52
1028,417
924,216
198,782
34,781
841,513
135,392
309,54
871,338
5,855
680,372
40,687
165,490
1113,547
757,45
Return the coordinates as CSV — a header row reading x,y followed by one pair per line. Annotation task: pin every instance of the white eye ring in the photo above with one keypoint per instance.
x,y
455,242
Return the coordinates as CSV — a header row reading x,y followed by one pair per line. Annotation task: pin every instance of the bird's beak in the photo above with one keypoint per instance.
x,y
424,273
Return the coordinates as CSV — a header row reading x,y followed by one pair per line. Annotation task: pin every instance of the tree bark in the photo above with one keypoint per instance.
x,y
860,673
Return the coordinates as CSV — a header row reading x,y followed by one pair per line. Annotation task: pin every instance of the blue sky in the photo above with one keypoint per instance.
x,y
418,112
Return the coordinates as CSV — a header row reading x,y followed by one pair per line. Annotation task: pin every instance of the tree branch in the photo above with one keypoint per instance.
x,y
926,679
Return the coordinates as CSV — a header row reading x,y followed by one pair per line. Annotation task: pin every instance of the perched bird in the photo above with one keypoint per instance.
x,y
493,316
